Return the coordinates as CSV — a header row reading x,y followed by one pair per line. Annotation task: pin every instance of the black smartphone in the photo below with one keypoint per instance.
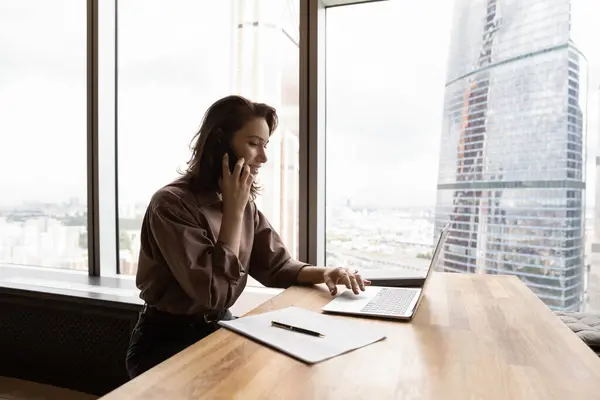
x,y
225,147
232,159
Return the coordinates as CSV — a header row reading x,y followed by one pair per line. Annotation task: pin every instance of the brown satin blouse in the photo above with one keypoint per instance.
x,y
183,269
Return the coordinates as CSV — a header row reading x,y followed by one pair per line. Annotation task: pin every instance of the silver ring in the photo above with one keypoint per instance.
x,y
355,271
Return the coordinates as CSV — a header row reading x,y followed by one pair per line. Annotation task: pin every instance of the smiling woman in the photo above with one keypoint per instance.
x,y
237,128
203,235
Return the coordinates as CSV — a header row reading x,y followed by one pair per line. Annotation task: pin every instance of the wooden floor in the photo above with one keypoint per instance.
x,y
15,389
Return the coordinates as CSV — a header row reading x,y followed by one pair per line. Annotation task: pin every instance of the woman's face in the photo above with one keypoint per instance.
x,y
250,143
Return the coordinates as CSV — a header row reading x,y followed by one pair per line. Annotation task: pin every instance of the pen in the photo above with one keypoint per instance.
x,y
296,329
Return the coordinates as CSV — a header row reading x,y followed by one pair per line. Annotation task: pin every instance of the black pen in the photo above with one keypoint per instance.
x,y
296,329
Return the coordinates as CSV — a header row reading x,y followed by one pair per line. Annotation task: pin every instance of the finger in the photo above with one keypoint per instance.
x,y
332,287
250,180
354,283
226,171
245,174
237,170
345,279
360,281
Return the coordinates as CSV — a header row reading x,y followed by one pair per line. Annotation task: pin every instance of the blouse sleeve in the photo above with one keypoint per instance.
x,y
270,262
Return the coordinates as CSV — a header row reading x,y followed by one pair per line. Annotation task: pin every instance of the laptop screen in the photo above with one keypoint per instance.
x,y
436,253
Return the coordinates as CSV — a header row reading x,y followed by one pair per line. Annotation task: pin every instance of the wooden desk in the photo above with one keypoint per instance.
x,y
474,337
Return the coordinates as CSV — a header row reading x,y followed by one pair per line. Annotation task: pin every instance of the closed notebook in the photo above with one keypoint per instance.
x,y
341,335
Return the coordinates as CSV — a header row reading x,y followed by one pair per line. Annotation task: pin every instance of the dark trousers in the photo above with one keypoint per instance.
x,y
157,336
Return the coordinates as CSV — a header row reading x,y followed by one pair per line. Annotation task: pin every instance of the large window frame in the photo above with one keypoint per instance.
x,y
102,152
102,133
312,132
313,24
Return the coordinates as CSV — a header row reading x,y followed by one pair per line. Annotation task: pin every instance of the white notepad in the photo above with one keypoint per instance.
x,y
341,335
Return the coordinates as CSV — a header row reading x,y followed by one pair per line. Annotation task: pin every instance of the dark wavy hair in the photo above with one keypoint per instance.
x,y
222,119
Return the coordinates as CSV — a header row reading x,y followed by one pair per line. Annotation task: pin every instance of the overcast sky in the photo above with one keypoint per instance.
x,y
385,96
386,75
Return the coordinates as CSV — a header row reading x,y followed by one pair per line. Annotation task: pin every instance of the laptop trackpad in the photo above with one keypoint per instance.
x,y
348,301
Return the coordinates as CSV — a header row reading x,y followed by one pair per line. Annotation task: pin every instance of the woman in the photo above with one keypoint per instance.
x,y
202,236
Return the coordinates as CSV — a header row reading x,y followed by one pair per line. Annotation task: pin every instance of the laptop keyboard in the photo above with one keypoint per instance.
x,y
389,301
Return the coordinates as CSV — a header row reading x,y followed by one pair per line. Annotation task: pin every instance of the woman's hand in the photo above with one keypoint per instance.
x,y
344,276
235,186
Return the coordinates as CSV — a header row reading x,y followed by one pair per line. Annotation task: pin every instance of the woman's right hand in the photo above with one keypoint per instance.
x,y
236,186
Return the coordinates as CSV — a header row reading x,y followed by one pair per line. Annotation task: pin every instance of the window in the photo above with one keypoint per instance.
x,y
384,115
483,130
43,211
174,61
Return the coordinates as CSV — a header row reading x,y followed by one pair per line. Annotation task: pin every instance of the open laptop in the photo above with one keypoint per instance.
x,y
386,302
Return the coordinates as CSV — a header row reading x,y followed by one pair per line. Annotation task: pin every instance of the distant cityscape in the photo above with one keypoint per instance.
x,y
367,238
45,235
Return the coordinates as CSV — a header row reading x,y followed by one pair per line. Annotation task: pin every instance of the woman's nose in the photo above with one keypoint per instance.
x,y
263,155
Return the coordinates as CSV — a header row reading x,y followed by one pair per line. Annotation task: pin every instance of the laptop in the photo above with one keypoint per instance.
x,y
394,278
386,302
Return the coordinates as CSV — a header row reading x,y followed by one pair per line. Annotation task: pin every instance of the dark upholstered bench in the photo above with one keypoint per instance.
x,y
17,389
584,325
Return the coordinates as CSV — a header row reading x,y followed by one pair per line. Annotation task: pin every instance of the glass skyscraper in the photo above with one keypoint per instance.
x,y
511,172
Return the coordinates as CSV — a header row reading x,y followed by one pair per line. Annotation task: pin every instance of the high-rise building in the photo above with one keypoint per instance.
x,y
511,172
593,261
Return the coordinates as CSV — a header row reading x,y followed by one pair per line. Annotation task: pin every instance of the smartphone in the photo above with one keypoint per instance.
x,y
225,147
232,159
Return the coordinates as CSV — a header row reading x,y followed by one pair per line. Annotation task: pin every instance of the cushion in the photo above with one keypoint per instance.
x,y
584,325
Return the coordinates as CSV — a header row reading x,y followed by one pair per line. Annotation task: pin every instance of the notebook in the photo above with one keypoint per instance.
x,y
340,335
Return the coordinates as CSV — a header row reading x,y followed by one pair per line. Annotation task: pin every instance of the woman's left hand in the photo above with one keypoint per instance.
x,y
344,276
